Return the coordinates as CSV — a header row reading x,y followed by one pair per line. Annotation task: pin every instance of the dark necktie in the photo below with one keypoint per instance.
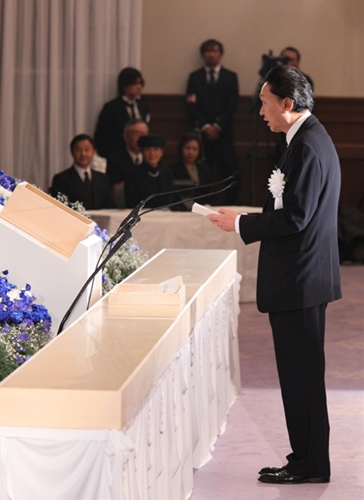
x,y
212,80
88,192
130,105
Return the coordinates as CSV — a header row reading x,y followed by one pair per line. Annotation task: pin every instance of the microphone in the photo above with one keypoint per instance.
x,y
135,211
123,232
234,176
180,202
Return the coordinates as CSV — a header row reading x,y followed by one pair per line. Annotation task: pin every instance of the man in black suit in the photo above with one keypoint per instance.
x,y
79,182
212,99
116,113
298,272
127,158
294,59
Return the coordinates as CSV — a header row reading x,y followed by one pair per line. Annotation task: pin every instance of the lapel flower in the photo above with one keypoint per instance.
x,y
276,183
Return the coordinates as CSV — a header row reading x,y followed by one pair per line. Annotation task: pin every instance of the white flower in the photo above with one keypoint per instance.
x,y
276,183
5,193
14,294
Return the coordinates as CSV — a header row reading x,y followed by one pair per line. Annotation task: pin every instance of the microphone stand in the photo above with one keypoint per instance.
x,y
123,236
123,233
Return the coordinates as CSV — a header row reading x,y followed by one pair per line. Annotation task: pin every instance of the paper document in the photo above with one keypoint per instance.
x,y
172,285
200,209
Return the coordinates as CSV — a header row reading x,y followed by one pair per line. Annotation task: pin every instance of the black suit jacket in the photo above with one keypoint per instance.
x,y
69,183
218,106
118,164
110,125
298,260
139,185
180,173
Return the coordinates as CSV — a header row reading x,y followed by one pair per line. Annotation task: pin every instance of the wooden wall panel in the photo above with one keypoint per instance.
x,y
342,117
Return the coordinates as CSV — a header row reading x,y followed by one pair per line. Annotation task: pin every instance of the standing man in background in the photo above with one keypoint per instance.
x,y
294,59
114,115
298,270
212,99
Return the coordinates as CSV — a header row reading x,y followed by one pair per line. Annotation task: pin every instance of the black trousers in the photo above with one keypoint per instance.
x,y
299,348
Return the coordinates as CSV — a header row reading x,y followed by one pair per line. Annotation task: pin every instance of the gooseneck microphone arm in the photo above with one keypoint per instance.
x,y
232,184
123,232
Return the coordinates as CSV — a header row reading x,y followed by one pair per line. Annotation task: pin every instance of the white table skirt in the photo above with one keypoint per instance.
x,y
172,431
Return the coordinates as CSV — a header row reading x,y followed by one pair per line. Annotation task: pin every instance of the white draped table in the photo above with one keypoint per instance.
x,y
125,408
167,229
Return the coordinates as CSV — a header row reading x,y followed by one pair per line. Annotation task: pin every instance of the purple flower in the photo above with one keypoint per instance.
x,y
101,233
23,337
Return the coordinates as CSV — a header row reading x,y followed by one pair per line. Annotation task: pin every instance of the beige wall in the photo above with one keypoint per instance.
x,y
329,34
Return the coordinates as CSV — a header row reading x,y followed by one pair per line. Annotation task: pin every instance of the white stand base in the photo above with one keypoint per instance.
x,y
54,281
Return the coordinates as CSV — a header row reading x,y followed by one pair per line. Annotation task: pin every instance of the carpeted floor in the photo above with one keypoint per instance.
x,y
256,434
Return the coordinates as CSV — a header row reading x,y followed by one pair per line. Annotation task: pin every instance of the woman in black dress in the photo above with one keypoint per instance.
x,y
149,177
190,170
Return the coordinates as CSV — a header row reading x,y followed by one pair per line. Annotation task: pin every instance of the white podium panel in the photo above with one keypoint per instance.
x,y
55,281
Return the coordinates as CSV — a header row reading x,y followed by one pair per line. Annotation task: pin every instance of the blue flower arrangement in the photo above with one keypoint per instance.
x,y
7,186
24,325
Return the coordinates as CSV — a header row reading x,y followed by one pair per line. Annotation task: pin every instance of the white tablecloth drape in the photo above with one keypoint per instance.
x,y
171,432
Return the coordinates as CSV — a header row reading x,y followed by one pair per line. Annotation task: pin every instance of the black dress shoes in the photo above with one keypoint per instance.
x,y
271,470
284,477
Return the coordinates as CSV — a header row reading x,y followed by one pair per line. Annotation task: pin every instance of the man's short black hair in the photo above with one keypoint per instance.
x,y
209,44
292,49
128,76
288,81
81,137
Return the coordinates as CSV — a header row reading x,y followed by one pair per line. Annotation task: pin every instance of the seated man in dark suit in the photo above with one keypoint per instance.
x,y
212,99
116,113
126,158
79,182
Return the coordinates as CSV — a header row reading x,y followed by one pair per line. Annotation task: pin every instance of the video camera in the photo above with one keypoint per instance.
x,y
269,62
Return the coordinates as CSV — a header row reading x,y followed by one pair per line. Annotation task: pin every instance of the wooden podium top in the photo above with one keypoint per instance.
x,y
94,375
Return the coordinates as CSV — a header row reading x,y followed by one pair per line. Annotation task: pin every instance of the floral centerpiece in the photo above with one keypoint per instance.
x,y
24,325
7,186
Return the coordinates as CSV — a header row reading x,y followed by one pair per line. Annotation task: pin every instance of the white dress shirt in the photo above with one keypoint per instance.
x,y
81,171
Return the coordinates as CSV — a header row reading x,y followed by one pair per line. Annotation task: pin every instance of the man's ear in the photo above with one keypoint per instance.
x,y
288,104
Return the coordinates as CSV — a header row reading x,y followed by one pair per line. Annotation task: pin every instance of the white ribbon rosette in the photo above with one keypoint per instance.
x,y
276,183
